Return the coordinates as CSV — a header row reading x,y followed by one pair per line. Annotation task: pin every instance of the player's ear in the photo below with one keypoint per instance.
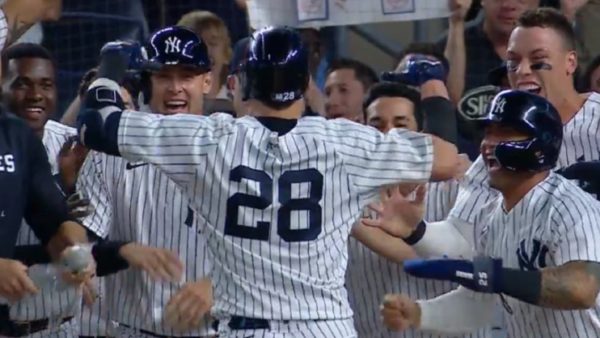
x,y
571,62
207,82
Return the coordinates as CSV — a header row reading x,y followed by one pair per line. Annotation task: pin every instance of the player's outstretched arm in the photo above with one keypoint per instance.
x,y
459,311
401,217
571,286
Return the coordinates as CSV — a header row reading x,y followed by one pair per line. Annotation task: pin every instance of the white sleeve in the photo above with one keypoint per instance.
x,y
176,144
3,30
452,238
575,226
458,311
92,185
474,192
374,159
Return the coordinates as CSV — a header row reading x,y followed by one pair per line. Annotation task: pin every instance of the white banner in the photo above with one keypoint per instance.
x,y
320,13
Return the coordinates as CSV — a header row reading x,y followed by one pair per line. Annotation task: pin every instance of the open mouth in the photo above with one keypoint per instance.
x,y
176,106
34,112
530,87
492,163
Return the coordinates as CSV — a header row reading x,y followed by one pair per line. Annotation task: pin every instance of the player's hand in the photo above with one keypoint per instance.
x,y
71,156
400,312
90,293
78,264
187,308
14,281
397,213
459,10
416,70
570,7
160,264
79,207
33,11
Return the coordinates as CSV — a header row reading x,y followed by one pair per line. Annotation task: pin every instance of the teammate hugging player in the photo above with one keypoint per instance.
x,y
539,245
278,194
136,202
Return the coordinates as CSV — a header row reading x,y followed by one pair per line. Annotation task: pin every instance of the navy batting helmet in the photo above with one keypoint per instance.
x,y
174,45
533,115
276,68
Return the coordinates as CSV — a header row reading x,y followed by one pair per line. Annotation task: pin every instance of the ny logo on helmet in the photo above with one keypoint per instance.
x,y
172,45
499,106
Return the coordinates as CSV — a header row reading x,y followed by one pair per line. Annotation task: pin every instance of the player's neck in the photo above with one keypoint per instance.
x,y
569,104
519,188
292,112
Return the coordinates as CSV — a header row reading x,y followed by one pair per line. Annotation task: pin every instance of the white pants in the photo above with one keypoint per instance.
x,y
343,328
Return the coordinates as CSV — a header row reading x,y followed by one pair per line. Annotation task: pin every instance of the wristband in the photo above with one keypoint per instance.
x,y
418,234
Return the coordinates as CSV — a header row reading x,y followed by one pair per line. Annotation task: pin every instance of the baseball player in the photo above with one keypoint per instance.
x,y
538,249
369,275
31,94
277,194
136,201
541,60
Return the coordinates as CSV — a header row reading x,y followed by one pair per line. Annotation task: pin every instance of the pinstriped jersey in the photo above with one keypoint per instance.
x,y
371,276
278,209
54,303
581,142
136,202
554,223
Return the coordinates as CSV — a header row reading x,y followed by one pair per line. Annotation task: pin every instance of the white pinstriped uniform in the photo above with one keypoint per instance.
x,y
370,276
55,304
554,223
136,202
278,209
581,142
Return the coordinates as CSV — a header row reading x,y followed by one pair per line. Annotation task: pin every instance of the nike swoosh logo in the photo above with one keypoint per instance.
x,y
130,166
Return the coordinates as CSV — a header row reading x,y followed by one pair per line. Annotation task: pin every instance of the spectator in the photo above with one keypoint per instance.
x,y
345,88
473,49
591,77
213,31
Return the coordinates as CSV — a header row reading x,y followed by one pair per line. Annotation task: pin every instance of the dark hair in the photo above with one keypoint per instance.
x,y
428,49
586,80
365,74
25,50
394,89
549,18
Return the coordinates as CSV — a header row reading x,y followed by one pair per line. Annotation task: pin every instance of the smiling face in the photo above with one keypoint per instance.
x,y
32,90
540,62
387,113
179,89
344,94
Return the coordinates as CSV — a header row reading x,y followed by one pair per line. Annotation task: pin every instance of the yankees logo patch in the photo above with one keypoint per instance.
x,y
534,258
172,45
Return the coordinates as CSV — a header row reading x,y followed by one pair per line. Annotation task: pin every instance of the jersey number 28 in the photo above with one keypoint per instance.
x,y
288,204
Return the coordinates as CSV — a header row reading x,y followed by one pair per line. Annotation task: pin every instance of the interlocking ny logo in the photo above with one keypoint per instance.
x,y
172,45
527,261
499,106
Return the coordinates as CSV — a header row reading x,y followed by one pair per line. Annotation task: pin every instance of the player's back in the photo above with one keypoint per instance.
x,y
554,223
279,199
